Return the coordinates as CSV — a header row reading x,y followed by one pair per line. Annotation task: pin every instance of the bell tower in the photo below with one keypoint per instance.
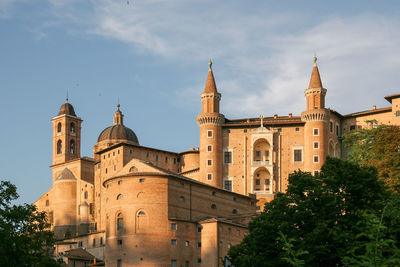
x,y
210,122
66,134
316,118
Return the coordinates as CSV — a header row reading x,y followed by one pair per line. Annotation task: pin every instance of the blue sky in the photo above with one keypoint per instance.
x,y
153,56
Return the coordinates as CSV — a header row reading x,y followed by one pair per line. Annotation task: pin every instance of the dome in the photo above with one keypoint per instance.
x,y
67,109
118,132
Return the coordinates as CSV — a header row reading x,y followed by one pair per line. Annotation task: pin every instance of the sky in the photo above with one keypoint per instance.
x,y
153,57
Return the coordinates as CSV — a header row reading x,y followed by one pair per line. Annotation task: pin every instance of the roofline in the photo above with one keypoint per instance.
x,y
189,152
175,176
69,161
389,98
189,171
67,115
368,112
133,145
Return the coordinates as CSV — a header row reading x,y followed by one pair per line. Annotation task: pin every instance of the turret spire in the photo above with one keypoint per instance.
x,y
315,81
210,84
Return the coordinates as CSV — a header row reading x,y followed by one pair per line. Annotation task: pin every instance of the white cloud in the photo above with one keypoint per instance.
x,y
262,61
261,67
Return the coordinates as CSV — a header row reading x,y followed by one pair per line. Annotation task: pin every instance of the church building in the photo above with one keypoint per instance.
x,y
132,205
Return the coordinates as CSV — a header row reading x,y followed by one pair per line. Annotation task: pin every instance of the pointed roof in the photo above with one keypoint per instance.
x,y
210,84
315,81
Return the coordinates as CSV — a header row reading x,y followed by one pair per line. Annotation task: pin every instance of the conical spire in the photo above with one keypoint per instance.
x,y
118,116
315,81
210,84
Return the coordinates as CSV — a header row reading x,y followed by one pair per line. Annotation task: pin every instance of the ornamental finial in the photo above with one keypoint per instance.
x,y
210,64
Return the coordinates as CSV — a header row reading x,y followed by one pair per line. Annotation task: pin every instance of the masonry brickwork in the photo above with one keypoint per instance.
x,y
132,205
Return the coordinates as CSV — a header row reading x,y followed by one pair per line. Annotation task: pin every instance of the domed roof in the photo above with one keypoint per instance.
x,y
66,174
67,109
119,132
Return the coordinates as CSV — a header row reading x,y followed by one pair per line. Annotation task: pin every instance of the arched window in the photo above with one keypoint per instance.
x,y
213,206
59,127
120,196
86,194
120,222
72,127
141,213
59,147
234,211
47,202
72,147
141,221
133,169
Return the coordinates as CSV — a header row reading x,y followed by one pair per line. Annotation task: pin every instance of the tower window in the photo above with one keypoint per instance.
x,y
337,130
209,148
59,127
297,153
297,129
72,147
72,127
213,206
209,162
316,145
209,133
316,159
331,127
209,176
59,147
227,157
86,194
316,132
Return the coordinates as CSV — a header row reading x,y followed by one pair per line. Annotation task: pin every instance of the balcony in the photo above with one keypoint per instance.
x,y
261,163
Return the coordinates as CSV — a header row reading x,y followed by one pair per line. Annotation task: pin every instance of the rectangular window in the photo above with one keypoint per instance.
x,y
257,181
173,263
266,153
120,223
297,129
119,263
91,208
187,264
279,130
173,226
227,157
187,243
316,132
198,244
174,160
316,159
228,185
316,145
209,162
209,133
398,113
209,148
119,242
337,130
331,127
316,172
156,157
94,242
209,176
147,154
173,242
80,244
352,127
298,155
166,159
258,153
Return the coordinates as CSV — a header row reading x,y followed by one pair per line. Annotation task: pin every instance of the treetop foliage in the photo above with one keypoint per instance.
x,y
329,219
24,234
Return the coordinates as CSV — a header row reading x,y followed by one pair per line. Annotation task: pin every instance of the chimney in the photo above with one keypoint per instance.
x,y
373,107
290,115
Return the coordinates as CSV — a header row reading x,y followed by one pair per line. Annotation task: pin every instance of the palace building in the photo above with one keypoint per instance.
x,y
132,205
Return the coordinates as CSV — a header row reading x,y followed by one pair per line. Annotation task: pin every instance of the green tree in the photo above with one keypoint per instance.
x,y
378,147
320,219
24,234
